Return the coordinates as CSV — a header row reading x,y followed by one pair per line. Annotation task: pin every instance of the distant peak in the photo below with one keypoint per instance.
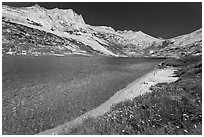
x,y
132,32
36,6
140,32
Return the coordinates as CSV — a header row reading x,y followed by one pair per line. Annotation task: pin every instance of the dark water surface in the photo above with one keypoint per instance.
x,y
40,93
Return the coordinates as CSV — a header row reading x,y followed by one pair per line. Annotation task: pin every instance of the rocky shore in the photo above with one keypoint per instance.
x,y
137,88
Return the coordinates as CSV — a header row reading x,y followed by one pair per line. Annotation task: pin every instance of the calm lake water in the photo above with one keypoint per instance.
x,y
40,93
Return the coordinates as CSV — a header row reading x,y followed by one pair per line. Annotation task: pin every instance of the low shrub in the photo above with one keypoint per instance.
x,y
174,108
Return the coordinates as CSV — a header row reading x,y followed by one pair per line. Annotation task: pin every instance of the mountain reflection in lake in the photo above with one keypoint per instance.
x,y
40,93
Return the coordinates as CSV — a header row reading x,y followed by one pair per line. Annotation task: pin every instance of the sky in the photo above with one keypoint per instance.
x,y
164,19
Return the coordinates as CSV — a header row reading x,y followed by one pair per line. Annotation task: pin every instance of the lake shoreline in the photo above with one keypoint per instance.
x,y
84,55
141,84
51,91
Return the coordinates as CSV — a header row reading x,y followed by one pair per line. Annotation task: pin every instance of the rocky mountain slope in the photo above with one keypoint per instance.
x,y
38,31
188,44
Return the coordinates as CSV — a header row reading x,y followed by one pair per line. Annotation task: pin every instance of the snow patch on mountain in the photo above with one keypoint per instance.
x,y
139,37
63,20
66,23
187,39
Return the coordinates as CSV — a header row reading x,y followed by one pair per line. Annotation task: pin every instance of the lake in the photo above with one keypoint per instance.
x,y
40,93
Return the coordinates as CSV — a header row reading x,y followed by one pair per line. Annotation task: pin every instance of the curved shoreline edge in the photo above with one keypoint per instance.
x,y
139,87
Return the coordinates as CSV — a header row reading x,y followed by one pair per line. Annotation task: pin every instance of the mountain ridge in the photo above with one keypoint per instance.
x,y
103,40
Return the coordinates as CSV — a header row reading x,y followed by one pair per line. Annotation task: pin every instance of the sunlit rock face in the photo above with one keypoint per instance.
x,y
65,32
188,44
63,20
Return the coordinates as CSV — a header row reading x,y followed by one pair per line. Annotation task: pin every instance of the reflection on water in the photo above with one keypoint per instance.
x,y
40,93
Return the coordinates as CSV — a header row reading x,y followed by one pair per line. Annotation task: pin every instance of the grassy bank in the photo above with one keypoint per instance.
x,y
174,108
